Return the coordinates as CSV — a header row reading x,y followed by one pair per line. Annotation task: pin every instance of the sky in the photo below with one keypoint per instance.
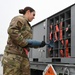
x,y
43,8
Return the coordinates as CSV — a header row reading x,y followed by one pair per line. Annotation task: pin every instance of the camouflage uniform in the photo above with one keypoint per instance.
x,y
15,60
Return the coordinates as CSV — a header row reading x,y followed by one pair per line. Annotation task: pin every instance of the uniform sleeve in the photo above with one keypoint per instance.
x,y
14,32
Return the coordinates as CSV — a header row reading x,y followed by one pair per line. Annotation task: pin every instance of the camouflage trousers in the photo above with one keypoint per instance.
x,y
15,65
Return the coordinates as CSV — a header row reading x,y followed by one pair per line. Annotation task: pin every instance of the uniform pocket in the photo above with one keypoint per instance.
x,y
11,60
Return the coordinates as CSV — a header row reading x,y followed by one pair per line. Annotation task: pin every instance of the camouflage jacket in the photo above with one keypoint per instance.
x,y
19,30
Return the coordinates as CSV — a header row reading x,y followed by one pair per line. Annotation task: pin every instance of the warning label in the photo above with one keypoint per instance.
x,y
49,70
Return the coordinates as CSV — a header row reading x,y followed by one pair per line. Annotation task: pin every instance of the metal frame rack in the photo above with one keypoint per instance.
x,y
60,34
57,29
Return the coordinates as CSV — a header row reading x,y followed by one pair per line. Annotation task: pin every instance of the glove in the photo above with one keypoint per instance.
x,y
42,44
33,43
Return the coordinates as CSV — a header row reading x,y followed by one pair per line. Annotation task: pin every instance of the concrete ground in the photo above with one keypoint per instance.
x,y
1,69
